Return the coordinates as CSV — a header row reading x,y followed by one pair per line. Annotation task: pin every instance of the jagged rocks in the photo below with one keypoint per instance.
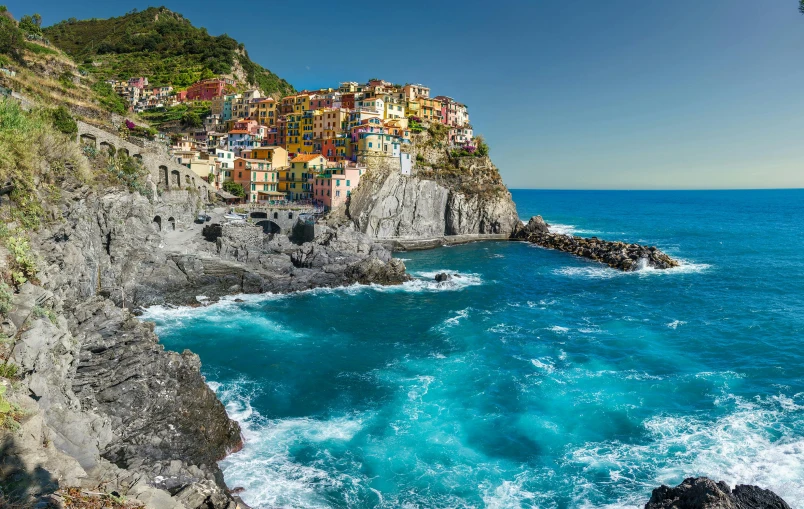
x,y
617,255
442,277
704,493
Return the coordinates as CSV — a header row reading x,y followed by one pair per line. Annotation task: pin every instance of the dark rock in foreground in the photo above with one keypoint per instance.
x,y
442,277
617,255
704,493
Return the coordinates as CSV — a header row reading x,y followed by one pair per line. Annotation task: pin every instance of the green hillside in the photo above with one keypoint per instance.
x,y
162,46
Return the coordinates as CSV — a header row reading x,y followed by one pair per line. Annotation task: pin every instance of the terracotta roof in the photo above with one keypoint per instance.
x,y
239,131
305,158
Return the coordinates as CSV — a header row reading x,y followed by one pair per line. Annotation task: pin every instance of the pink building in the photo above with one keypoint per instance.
x,y
332,187
140,83
206,90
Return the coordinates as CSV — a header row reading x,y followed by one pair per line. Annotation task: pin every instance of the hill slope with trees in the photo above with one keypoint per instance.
x,y
161,45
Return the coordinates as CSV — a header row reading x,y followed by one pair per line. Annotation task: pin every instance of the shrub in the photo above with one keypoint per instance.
x,y
234,188
40,312
23,262
8,369
6,298
108,98
63,121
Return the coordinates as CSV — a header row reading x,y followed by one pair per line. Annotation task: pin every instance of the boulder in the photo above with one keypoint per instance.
x,y
704,493
442,277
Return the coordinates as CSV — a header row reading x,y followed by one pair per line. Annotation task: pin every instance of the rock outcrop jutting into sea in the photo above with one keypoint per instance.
x,y
617,255
704,493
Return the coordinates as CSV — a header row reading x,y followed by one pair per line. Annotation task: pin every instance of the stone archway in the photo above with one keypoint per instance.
x,y
108,147
175,179
187,180
276,215
269,227
123,152
259,215
171,223
138,157
88,139
157,223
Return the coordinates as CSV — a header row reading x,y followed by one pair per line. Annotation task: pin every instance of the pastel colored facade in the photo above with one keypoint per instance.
x,y
429,109
245,105
453,113
240,140
337,148
296,180
412,92
257,178
378,144
372,105
139,83
461,135
277,156
394,108
206,90
266,112
332,187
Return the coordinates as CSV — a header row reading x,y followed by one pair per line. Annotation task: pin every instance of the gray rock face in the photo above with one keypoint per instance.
x,y
123,410
704,493
389,205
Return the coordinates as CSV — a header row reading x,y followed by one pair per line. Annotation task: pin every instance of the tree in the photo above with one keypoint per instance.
x,y
191,119
206,74
482,146
11,39
234,188
31,24
801,6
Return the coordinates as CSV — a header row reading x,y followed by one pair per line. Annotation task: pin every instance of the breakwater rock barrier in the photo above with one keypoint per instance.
x,y
617,255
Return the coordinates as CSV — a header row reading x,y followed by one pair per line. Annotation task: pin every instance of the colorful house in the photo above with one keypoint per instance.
x,y
277,156
206,90
257,178
296,180
453,113
429,109
377,144
332,187
266,112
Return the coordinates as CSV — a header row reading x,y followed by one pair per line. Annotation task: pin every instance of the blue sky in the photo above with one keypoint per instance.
x,y
574,94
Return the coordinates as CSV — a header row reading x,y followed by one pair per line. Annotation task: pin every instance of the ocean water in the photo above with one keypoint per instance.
x,y
534,379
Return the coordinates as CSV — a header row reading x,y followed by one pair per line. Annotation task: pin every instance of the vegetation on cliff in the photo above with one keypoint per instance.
x,y
467,170
162,46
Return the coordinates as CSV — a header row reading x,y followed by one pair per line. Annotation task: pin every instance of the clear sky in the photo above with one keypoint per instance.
x,y
583,94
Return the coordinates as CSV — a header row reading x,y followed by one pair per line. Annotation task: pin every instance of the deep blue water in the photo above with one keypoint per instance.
x,y
536,380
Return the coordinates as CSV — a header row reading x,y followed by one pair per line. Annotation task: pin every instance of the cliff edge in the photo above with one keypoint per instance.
x,y
448,193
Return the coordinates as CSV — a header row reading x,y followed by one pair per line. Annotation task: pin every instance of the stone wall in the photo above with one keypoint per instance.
x,y
168,175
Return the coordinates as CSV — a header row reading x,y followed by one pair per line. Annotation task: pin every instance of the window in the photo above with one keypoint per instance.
x,y
348,184
253,187
337,193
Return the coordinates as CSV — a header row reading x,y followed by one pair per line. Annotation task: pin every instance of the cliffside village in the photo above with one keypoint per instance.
x,y
308,147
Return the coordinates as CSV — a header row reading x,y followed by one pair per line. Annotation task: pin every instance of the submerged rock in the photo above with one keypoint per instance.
x,y
704,493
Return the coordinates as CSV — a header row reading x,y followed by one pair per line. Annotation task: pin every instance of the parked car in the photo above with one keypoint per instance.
x,y
202,218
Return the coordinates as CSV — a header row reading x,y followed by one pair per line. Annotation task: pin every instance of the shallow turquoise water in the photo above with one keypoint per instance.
x,y
536,379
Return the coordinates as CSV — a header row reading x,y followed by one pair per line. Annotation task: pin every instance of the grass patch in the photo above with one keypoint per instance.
x,y
40,312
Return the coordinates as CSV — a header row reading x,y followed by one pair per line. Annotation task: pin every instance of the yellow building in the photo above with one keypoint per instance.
x,y
393,108
277,156
266,112
296,181
429,109
293,134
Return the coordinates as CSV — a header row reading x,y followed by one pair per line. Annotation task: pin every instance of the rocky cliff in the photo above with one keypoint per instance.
x,y
447,194
704,493
102,405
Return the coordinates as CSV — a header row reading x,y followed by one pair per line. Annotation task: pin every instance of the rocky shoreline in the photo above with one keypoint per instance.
x,y
114,410
617,255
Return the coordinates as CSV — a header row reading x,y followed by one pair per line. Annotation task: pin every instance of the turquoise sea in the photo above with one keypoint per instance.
x,y
535,379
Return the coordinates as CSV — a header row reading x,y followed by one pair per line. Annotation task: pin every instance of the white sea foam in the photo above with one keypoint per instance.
x,y
600,271
544,364
759,442
569,229
265,467
675,323
558,329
